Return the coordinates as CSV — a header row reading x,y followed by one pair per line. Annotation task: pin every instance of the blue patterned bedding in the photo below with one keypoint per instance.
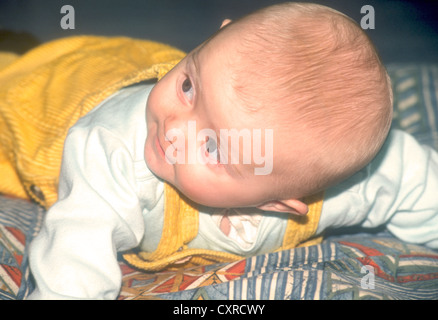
x,y
361,266
365,265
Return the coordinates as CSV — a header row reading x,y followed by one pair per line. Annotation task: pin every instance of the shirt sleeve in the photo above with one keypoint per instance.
x,y
397,189
97,214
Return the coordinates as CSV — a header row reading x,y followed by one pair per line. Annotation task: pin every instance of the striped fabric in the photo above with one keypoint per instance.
x,y
20,220
338,268
415,100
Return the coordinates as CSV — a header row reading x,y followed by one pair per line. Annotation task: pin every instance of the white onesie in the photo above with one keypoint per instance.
x,y
109,201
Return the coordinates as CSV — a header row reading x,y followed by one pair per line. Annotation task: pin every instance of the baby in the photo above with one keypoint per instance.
x,y
304,75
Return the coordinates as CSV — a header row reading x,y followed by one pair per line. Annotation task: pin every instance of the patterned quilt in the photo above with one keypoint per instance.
x,y
353,267
350,265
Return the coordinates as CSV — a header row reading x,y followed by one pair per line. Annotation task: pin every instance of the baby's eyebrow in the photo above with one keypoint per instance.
x,y
195,60
231,168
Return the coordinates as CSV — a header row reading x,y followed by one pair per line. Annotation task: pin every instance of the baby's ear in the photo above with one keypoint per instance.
x,y
225,22
292,206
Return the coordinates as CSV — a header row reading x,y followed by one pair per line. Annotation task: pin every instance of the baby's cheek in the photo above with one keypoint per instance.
x,y
148,154
188,182
196,186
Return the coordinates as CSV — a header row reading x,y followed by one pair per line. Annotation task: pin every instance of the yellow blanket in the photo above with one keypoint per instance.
x,y
44,92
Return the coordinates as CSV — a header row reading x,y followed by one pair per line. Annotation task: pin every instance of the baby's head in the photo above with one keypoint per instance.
x,y
303,72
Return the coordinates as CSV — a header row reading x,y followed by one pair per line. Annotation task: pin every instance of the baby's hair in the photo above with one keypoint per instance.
x,y
320,73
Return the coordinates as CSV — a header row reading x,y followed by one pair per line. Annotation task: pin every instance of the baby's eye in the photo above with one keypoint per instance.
x,y
212,150
187,88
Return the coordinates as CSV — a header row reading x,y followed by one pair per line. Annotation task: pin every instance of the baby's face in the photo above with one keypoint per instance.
x,y
188,110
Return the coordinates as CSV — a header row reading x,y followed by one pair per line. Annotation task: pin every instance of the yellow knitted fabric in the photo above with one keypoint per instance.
x,y
44,92
7,58
181,226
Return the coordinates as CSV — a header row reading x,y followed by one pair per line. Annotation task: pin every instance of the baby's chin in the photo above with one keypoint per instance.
x,y
159,172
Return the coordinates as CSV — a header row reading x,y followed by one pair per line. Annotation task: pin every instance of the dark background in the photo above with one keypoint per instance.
x,y
405,31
